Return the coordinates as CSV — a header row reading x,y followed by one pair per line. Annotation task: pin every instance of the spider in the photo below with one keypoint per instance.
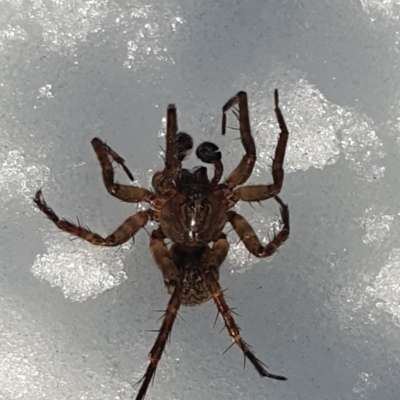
x,y
192,211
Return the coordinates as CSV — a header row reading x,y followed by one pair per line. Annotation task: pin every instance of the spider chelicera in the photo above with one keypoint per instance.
x,y
192,211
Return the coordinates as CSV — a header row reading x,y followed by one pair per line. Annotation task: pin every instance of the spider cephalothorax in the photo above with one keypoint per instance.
x,y
192,211
194,214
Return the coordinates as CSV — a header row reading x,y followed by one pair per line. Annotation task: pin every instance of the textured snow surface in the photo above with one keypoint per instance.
x,y
324,311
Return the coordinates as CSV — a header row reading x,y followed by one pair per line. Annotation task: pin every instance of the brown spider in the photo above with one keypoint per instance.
x,y
191,211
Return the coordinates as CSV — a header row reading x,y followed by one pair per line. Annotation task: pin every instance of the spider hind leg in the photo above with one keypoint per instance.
x,y
234,330
162,338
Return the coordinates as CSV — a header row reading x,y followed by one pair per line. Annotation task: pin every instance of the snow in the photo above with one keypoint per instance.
x,y
324,311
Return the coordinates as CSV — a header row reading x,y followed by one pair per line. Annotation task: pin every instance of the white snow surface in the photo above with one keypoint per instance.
x,y
324,311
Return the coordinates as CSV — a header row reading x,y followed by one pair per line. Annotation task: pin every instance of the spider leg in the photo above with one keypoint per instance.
x,y
171,158
162,257
277,163
163,181
209,153
131,194
249,237
218,253
122,234
232,327
163,334
245,167
243,171
256,192
263,192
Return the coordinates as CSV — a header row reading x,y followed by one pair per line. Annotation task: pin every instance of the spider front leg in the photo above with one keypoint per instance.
x,y
277,164
243,171
122,234
249,237
131,194
163,181
263,192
